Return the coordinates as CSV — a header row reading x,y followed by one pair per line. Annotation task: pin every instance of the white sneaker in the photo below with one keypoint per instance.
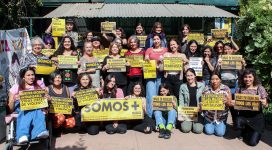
x,y
43,135
23,139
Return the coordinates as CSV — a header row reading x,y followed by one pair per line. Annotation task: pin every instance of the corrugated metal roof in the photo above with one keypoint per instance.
x,y
102,10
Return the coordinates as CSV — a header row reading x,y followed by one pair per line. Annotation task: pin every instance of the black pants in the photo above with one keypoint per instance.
x,y
93,128
250,136
142,125
121,128
132,81
174,83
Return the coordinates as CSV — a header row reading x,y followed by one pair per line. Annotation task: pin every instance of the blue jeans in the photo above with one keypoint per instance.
x,y
29,123
171,117
152,89
214,128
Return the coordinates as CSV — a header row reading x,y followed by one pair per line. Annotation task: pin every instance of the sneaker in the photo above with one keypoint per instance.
x,y
162,133
167,134
23,139
43,135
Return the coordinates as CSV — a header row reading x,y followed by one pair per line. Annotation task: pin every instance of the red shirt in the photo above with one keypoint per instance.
x,y
135,71
155,55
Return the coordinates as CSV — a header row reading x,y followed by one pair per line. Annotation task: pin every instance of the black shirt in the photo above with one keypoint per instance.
x,y
192,93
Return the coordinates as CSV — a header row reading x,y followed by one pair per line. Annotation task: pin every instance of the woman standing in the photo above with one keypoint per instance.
x,y
156,30
183,37
209,63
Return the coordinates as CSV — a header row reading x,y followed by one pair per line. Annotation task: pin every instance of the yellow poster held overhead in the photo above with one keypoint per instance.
x,y
117,65
85,97
67,62
199,37
135,60
187,113
61,105
100,54
219,33
45,66
108,27
162,103
231,62
212,102
30,100
112,109
247,102
172,64
150,69
58,27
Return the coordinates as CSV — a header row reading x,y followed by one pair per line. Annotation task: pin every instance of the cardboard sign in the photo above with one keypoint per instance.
x,y
58,27
67,62
85,97
108,27
30,100
100,54
48,52
212,102
117,65
172,64
61,105
196,64
150,69
135,60
45,66
93,65
247,102
123,51
231,62
112,109
142,40
219,33
163,103
199,37
187,113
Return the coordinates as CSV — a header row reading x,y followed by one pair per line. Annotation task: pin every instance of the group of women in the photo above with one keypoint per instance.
x,y
183,84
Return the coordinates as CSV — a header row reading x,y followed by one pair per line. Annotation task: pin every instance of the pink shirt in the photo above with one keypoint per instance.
x,y
155,55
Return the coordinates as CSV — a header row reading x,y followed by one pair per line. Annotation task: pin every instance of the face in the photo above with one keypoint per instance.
x,y
114,49
248,79
111,83
96,44
133,44
185,31
190,77
84,81
228,50
174,46
69,26
57,80
37,47
119,33
88,48
139,29
48,45
164,92
158,29
67,43
219,48
137,90
29,77
193,47
89,36
157,41
207,52
215,82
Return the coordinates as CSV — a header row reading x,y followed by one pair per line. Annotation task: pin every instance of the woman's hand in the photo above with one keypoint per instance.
x,y
174,103
264,102
128,64
232,103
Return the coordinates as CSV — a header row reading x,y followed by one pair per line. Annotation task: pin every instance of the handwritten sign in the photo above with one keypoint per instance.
x,y
231,62
117,65
112,109
199,37
196,64
212,102
142,40
108,27
61,105
101,54
163,103
85,97
66,62
187,113
219,33
172,64
150,69
30,100
247,102
58,27
48,52
135,60
45,66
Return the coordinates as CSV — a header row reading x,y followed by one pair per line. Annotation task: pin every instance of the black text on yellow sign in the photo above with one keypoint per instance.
x,y
58,27
187,113
61,105
142,40
199,37
112,109
231,62
108,27
30,100
219,33
172,63
212,102
163,103
93,65
67,62
100,54
150,69
85,97
247,102
117,65
45,66
135,60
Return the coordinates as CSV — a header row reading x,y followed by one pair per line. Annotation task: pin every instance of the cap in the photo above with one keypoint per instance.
x,y
96,38
69,20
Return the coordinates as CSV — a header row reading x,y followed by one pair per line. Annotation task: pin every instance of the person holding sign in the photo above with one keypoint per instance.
x,y
89,64
252,123
215,120
209,63
30,123
192,49
157,29
189,96
135,54
121,78
120,33
69,31
152,85
165,126
218,48
183,37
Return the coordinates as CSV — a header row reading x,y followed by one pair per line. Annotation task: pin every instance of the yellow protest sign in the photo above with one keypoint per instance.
x,y
100,54
187,113
45,66
85,97
123,51
219,33
163,103
172,64
58,27
212,102
199,37
67,62
61,105
117,65
48,52
150,69
142,40
108,27
93,65
112,109
135,60
231,62
30,100
196,64
247,102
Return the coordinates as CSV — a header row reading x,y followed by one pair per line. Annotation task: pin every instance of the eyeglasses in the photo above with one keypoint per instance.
x,y
48,44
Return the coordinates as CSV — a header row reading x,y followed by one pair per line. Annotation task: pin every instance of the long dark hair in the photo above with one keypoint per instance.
x,y
61,47
188,51
178,43
142,94
248,71
112,92
216,45
79,84
207,47
157,24
22,81
165,86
